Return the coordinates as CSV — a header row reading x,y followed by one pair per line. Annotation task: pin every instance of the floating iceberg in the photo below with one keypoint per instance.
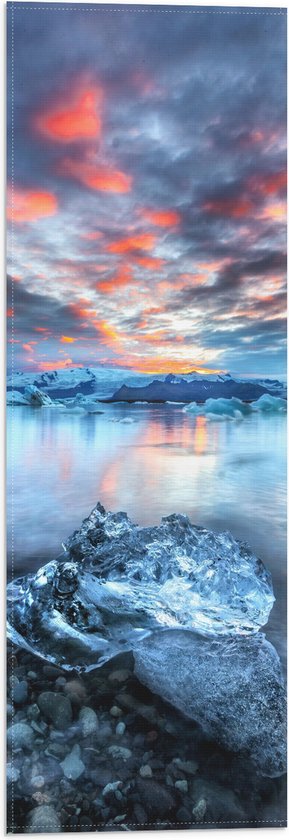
x,y
16,398
36,397
270,404
30,396
235,409
187,602
85,403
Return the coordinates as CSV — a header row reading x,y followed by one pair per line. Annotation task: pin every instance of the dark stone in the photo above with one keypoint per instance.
x,y
20,693
155,798
101,776
184,815
51,672
56,708
85,824
140,815
73,823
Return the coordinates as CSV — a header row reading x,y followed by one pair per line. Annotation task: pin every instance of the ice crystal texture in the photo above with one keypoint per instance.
x,y
233,687
116,582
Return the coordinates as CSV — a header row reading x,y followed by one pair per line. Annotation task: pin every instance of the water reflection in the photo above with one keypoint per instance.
x,y
223,475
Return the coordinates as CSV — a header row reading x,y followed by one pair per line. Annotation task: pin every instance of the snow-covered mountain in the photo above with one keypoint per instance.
x,y
120,384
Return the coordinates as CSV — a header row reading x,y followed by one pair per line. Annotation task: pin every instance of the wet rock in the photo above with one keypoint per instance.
x,y
138,740
38,781
120,728
12,774
43,819
112,787
33,712
72,765
221,802
182,785
76,692
140,815
115,711
85,824
146,771
39,728
20,693
56,750
51,672
20,736
101,776
157,800
199,810
56,708
119,752
184,816
60,682
188,767
88,720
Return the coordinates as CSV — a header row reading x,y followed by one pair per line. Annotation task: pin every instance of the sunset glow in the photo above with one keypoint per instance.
x,y
149,204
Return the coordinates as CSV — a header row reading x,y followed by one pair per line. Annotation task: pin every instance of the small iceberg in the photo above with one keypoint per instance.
x,y
235,409
270,404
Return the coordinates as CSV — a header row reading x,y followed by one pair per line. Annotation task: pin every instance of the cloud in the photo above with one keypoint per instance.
x,y
30,205
59,364
95,176
78,119
162,218
66,339
161,142
140,242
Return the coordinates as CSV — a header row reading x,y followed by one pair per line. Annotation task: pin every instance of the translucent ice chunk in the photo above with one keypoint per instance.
x,y
115,583
232,686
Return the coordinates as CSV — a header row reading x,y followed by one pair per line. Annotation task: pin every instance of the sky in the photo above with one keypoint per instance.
x,y
146,188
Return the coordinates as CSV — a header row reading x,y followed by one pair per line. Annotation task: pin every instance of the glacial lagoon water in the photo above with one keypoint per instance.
x,y
149,461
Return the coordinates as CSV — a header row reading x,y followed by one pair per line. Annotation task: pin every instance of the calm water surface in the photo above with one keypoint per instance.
x,y
223,475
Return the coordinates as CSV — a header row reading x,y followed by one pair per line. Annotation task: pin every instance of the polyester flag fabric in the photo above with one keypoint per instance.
x,y
146,393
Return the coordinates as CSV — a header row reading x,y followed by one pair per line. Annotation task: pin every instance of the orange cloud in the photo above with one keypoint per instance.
x,y
213,265
107,334
82,309
66,339
77,121
42,329
159,337
232,207
162,218
141,242
149,262
121,278
10,313
156,364
274,212
152,310
269,184
30,205
96,176
192,279
59,364
28,347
